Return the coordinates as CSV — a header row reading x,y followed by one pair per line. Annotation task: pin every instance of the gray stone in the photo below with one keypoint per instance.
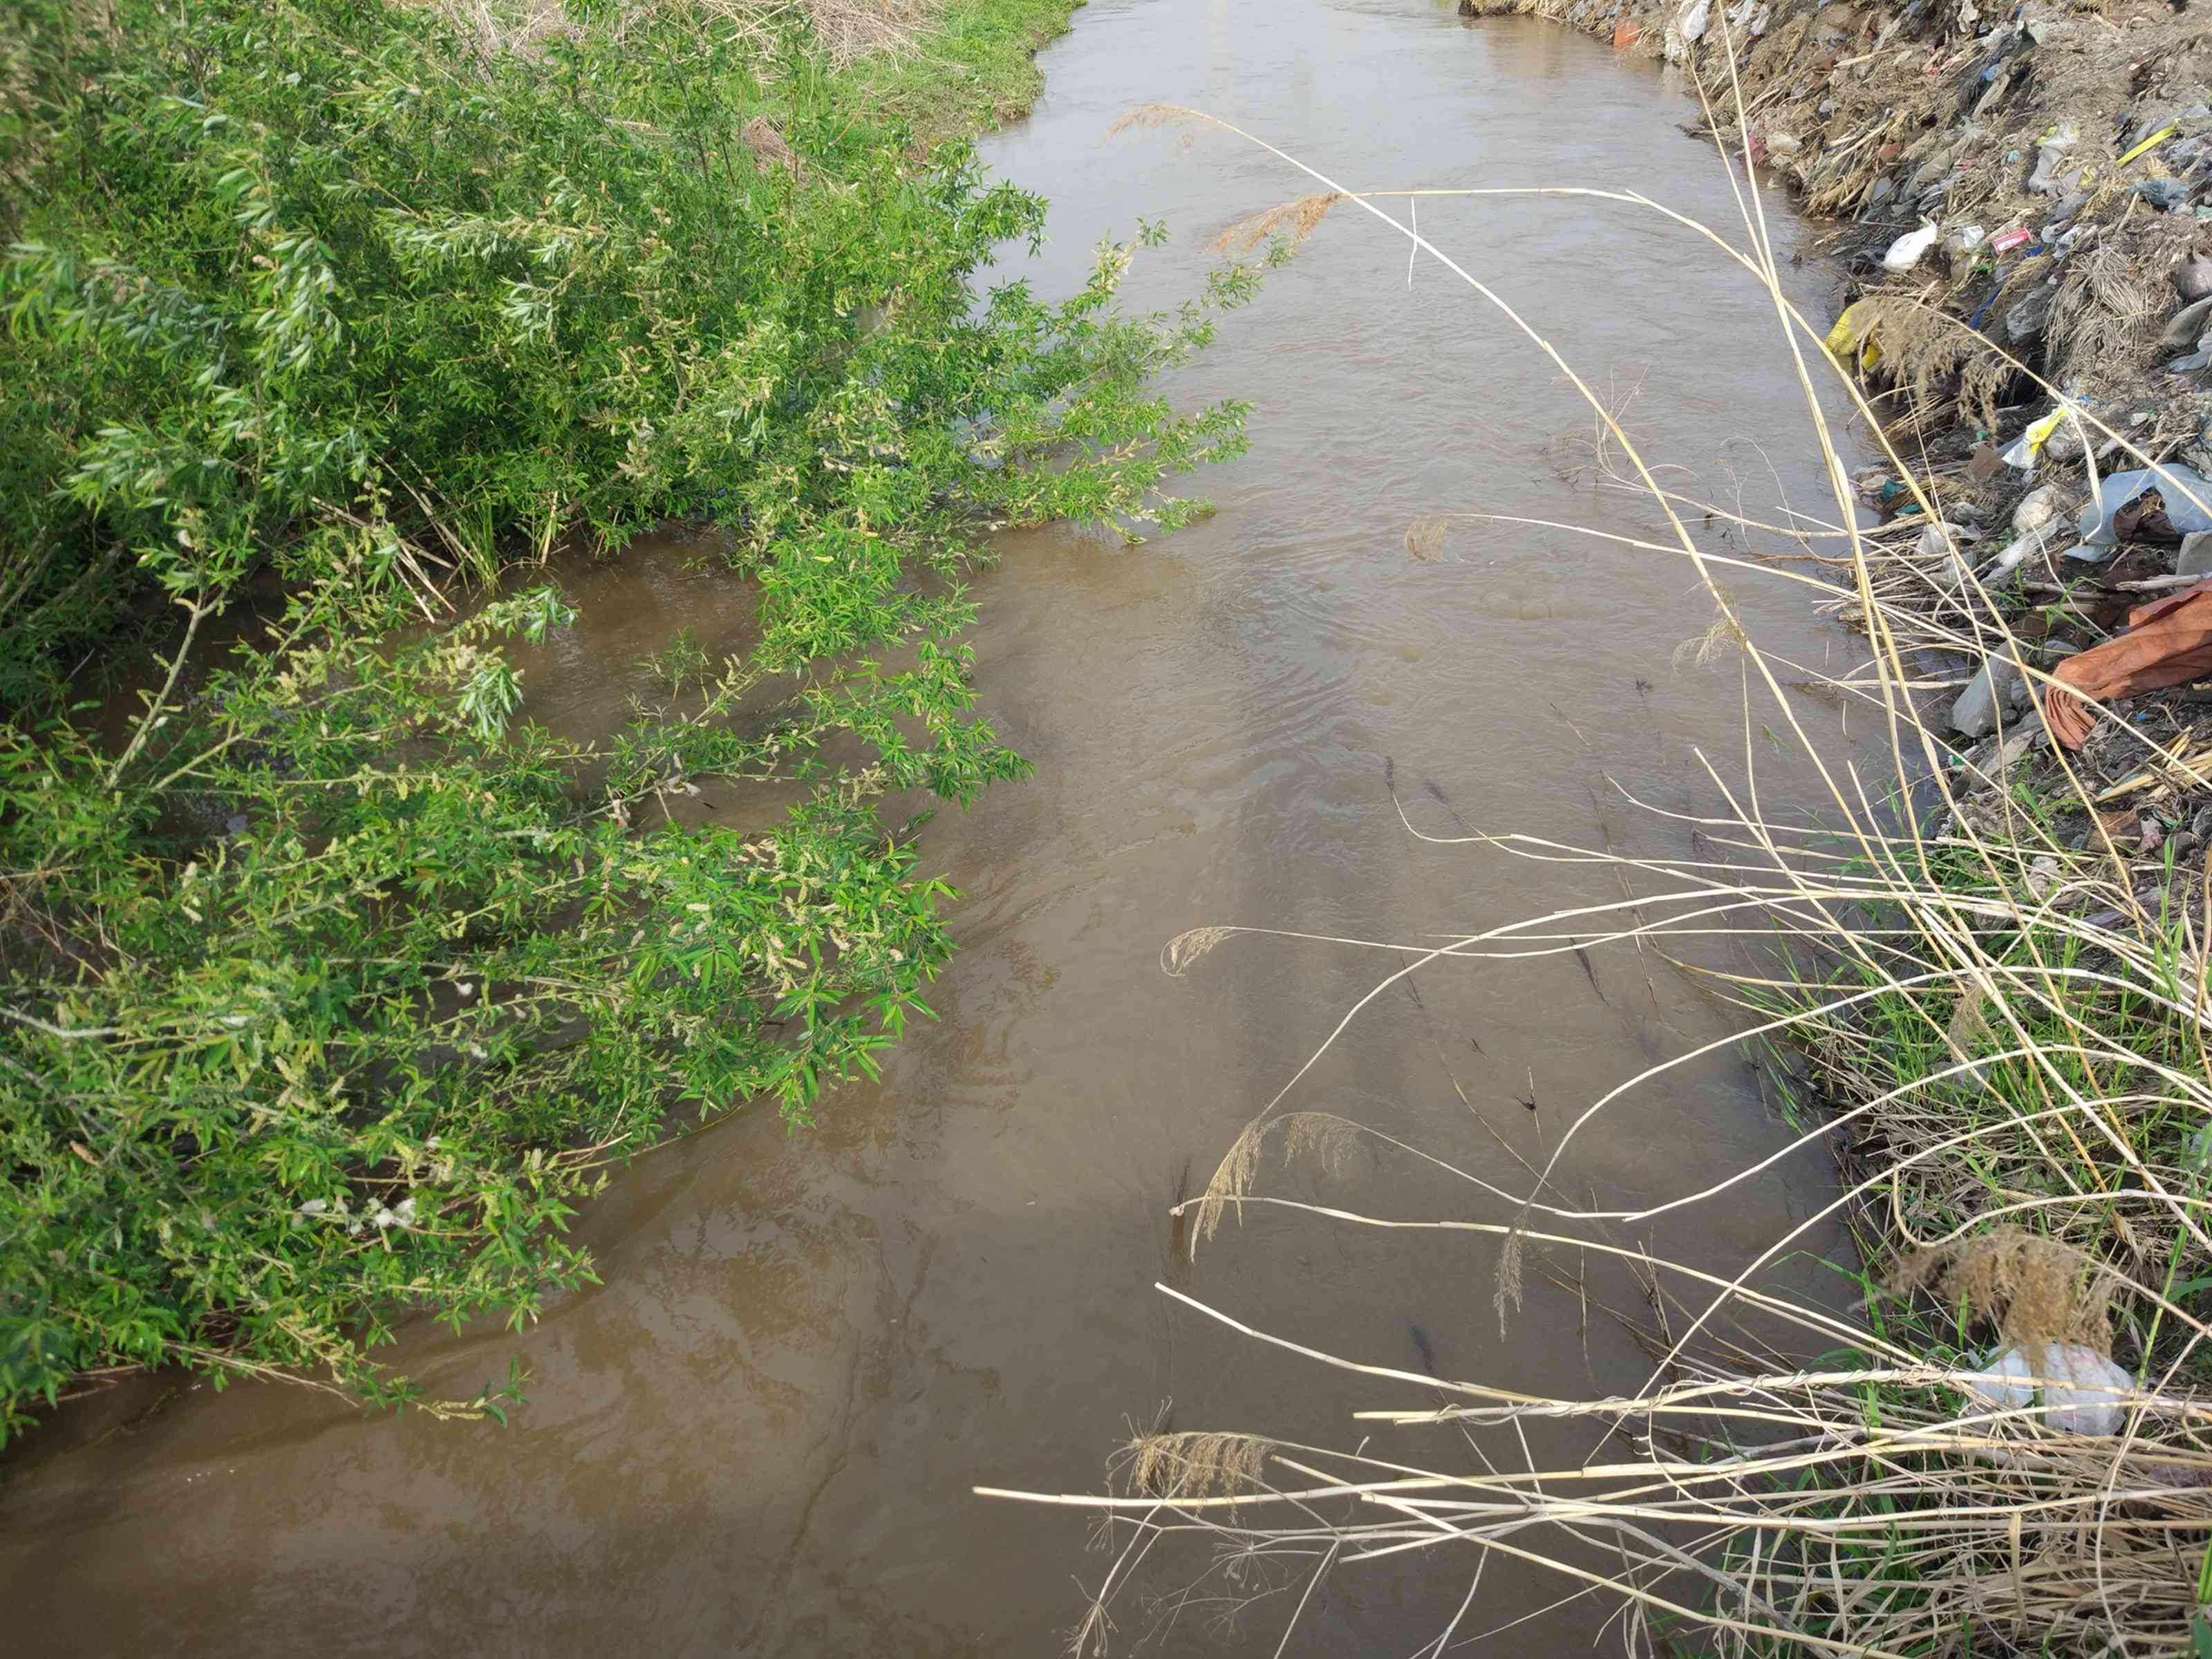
x,y
2022,735
2192,278
2195,558
2187,324
1975,713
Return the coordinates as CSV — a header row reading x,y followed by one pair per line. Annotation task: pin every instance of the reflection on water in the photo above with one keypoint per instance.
x,y
758,1434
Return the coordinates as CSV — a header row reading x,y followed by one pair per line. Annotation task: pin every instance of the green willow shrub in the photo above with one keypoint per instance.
x,y
331,986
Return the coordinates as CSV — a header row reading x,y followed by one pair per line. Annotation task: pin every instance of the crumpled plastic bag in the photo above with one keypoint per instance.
x,y
2168,642
2051,173
1908,250
2166,195
2083,1392
2027,448
2112,515
1852,342
1687,28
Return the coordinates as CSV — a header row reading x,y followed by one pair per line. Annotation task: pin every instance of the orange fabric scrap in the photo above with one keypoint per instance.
x,y
2168,641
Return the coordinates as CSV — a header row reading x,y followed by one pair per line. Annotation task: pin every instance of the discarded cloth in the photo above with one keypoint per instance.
x,y
2168,641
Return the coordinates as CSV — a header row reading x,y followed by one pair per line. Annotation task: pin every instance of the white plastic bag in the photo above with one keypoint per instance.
x,y
2083,1392
1908,250
2027,448
2051,174
1686,27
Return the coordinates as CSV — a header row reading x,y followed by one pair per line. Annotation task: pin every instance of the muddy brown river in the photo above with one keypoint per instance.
x,y
759,1435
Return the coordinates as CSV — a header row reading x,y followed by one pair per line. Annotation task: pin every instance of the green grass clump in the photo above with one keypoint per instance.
x,y
2008,1036
975,67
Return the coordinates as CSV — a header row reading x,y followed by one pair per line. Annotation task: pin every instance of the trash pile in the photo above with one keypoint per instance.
x,y
2024,199
2026,190
2089,590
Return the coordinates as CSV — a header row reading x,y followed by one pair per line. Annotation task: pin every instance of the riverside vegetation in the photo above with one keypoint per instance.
x,y
328,982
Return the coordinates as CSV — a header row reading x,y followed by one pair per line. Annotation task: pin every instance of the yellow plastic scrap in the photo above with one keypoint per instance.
x,y
1851,341
2027,449
2149,144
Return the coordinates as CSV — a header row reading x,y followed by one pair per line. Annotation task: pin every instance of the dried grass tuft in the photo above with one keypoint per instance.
x,y
1195,1463
1970,1027
2034,1290
1508,1292
2104,326
844,30
1232,1179
1296,219
1323,1137
1926,354
1184,949
1152,115
1424,539
1725,635
766,145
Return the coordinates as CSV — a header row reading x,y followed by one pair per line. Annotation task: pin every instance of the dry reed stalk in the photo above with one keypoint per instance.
x,y
2014,1043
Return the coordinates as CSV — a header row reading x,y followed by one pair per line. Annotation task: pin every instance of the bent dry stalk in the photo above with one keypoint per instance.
x,y
2001,1041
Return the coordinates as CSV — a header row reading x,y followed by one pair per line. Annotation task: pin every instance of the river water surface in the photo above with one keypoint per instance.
x,y
760,1434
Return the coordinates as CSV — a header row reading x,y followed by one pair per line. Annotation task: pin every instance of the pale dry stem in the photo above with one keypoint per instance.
x,y
1771,1506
